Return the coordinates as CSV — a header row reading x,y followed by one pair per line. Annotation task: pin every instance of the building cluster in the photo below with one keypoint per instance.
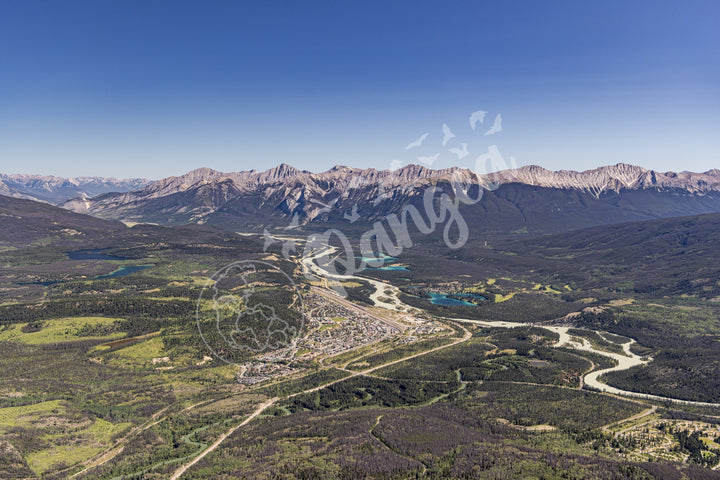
x,y
428,328
335,329
331,329
259,371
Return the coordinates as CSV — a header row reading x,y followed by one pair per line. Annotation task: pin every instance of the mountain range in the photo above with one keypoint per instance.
x,y
55,190
529,199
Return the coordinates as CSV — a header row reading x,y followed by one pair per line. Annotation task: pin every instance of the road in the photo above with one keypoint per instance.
x,y
642,414
261,408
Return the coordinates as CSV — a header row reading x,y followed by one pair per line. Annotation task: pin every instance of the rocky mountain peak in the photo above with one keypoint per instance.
x,y
280,173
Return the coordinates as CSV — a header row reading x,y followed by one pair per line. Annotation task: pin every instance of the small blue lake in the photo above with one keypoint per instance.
x,y
443,299
122,271
94,254
376,260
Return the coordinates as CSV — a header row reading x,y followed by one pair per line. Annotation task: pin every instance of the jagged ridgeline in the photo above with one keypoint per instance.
x,y
530,199
249,308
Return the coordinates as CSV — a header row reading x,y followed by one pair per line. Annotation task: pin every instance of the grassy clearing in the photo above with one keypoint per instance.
x,y
103,431
503,298
642,421
61,455
61,330
138,354
195,281
546,288
26,414
81,445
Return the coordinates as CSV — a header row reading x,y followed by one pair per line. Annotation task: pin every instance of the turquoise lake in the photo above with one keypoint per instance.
x,y
443,299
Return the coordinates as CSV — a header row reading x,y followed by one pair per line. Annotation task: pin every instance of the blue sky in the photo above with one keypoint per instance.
x,y
157,88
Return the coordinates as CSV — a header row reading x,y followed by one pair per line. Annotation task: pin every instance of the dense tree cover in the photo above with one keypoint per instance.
x,y
437,441
308,380
367,391
506,355
12,464
443,365
360,294
699,453
398,352
682,342
138,307
570,410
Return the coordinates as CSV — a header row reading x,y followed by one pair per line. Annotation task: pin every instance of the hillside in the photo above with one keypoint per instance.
x,y
24,222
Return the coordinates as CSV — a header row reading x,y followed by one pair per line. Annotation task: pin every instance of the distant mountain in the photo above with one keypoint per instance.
x,y
251,197
528,199
57,190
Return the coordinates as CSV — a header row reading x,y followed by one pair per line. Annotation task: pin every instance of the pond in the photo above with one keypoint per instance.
x,y
443,299
382,258
94,254
122,271
379,257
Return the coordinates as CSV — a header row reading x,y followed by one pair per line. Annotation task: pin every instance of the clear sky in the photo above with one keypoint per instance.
x,y
153,88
